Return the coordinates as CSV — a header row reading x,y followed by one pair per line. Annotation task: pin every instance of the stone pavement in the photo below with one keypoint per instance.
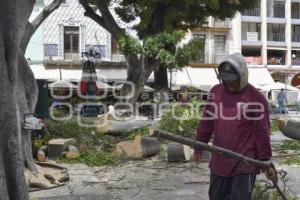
x,y
83,185
155,179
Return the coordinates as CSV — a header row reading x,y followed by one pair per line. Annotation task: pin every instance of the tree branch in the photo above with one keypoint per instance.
x,y
109,20
89,12
34,25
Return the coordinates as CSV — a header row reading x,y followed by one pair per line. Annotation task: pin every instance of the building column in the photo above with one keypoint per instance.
x,y
235,34
263,13
288,33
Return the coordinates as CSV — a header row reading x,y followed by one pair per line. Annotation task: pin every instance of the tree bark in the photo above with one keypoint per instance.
x,y
14,14
27,99
26,85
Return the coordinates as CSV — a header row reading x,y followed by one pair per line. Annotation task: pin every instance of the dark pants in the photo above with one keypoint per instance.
x,y
237,187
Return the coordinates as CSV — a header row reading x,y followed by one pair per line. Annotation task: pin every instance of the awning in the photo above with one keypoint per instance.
x,y
279,86
205,78
62,84
40,72
108,74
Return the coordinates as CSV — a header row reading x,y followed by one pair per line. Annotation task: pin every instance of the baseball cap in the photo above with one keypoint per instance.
x,y
227,73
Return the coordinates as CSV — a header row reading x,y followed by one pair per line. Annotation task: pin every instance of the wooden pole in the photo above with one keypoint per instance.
x,y
214,149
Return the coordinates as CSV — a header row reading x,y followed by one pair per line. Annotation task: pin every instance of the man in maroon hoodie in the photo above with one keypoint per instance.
x,y
236,118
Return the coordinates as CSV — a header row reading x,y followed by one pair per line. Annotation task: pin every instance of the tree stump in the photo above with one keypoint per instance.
x,y
140,147
57,146
143,147
178,153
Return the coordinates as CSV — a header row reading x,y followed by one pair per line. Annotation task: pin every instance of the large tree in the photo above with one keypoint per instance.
x,y
26,84
18,94
154,18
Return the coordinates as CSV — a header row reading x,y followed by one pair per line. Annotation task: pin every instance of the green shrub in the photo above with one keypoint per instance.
x,y
288,145
274,126
91,157
259,193
141,131
99,146
187,125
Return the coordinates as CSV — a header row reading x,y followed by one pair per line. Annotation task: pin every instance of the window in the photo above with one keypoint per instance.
x,y
219,48
71,42
220,42
276,32
295,10
202,37
279,9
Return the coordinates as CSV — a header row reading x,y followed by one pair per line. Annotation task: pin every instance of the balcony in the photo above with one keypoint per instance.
x,y
217,23
276,61
253,13
251,36
296,61
276,37
253,60
276,57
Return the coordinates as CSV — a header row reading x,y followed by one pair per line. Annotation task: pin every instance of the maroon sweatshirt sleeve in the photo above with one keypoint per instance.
x,y
262,133
205,126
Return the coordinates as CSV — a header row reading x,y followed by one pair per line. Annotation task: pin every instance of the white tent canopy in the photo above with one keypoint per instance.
x,y
108,74
205,78
62,84
279,86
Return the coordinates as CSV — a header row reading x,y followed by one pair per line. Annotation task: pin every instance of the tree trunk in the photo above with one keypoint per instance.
x,y
138,72
161,84
161,78
27,98
14,15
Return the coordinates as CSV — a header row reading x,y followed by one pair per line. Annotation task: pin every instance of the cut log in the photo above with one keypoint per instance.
x,y
177,152
113,127
57,146
72,152
289,128
122,149
42,154
143,147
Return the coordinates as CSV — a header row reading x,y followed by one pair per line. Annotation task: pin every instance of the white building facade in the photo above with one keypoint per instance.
x,y
269,36
67,33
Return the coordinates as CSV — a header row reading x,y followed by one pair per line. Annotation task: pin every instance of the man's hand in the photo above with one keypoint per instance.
x,y
271,174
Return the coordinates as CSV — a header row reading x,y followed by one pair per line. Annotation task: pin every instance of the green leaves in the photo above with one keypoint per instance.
x,y
189,52
162,47
129,45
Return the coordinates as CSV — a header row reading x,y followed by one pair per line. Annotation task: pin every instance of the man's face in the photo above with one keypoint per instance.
x,y
232,86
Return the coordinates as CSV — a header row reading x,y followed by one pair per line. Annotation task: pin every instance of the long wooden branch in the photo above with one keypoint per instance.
x,y
214,149
35,24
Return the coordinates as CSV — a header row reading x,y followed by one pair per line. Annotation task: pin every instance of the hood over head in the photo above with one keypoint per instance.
x,y
239,65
